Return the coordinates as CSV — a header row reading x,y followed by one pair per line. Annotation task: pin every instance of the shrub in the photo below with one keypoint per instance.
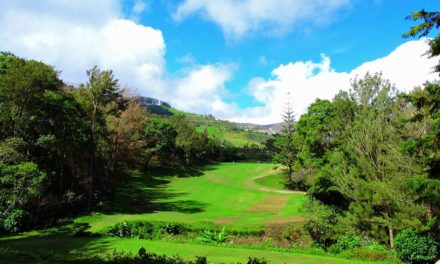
x,y
320,223
16,221
415,248
348,241
145,230
201,260
369,254
173,229
257,261
209,236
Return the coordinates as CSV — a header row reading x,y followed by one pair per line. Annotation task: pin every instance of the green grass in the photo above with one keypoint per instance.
x,y
276,181
216,193
73,248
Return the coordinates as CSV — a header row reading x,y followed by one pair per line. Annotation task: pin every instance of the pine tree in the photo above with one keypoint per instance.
x,y
286,155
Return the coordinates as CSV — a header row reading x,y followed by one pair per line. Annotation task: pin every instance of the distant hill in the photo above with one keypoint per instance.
x,y
238,134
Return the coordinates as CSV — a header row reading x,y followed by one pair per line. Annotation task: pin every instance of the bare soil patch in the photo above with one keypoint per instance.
x,y
269,205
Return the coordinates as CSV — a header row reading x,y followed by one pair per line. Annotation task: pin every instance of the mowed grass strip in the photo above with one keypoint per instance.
x,y
269,205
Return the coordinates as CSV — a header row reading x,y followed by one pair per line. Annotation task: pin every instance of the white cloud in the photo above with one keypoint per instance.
x,y
187,59
139,7
75,35
237,18
306,81
203,88
73,45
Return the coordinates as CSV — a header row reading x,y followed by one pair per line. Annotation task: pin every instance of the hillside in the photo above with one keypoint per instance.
x,y
238,134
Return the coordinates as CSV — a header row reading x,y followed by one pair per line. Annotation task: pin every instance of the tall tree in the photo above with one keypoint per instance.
x,y
100,97
370,170
423,142
286,154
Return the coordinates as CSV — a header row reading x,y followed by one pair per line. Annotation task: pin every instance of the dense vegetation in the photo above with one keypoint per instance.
x,y
64,149
370,157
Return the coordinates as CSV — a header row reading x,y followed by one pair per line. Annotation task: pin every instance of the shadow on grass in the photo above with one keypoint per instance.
x,y
147,192
47,248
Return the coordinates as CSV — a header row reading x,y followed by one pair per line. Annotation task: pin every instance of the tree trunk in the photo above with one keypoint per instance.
x,y
391,234
92,168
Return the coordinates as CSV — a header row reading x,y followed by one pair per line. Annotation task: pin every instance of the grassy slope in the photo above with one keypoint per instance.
x,y
276,181
225,130
217,193
73,248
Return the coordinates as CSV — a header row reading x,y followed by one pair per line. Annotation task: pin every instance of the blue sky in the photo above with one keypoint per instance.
x,y
234,59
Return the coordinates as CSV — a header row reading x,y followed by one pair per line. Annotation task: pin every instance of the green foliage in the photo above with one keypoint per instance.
x,y
415,248
370,170
19,184
16,221
254,260
12,151
430,20
320,223
209,236
145,230
160,140
286,153
349,240
425,147
370,254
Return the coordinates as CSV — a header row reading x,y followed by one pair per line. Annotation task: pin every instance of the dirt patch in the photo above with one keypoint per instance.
x,y
226,220
297,219
269,205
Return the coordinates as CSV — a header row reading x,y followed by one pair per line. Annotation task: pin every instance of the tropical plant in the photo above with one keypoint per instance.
x,y
210,236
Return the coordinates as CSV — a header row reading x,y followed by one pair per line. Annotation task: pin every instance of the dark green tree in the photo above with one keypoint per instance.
x,y
285,144
430,20
370,170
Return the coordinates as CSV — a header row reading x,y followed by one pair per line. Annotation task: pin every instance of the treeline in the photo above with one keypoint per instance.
x,y
64,149
370,158
370,161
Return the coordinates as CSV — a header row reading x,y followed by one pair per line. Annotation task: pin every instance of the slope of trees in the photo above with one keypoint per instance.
x,y
63,149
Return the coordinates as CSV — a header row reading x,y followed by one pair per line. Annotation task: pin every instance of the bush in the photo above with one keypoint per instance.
x,y
415,248
144,230
320,223
369,253
16,221
209,236
257,261
348,241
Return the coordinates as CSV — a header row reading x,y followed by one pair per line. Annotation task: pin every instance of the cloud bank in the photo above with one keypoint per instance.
x,y
305,81
75,35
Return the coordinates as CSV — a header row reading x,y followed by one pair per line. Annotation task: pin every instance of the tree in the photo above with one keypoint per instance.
x,y
423,143
160,140
18,185
126,141
430,20
370,170
286,154
100,97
